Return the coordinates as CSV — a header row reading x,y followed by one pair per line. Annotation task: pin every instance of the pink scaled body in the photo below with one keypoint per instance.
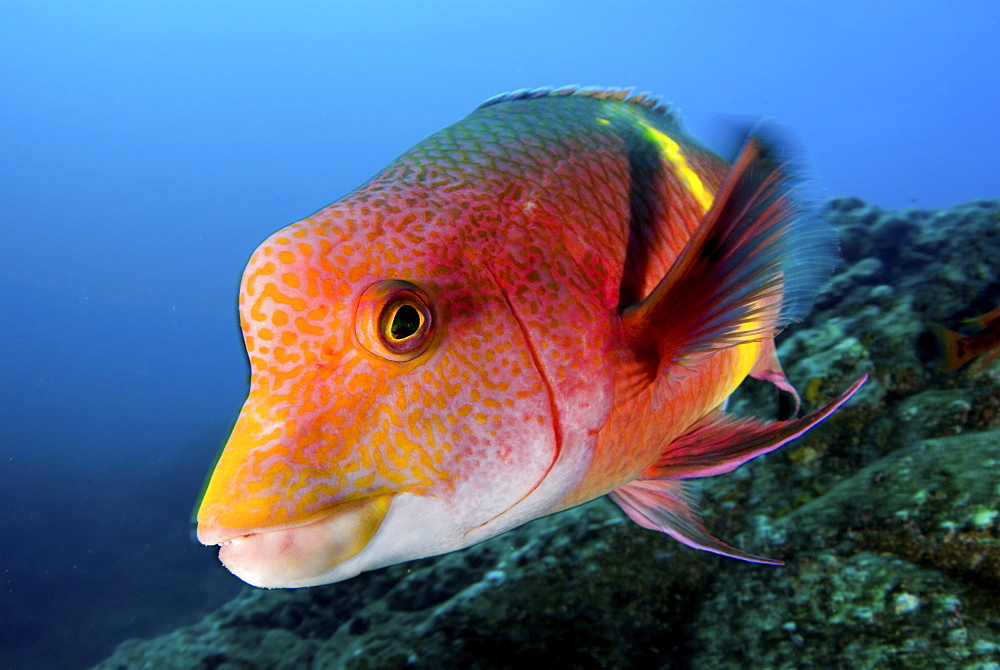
x,y
544,303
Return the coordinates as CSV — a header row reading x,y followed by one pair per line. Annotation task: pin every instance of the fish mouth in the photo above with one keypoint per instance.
x,y
300,555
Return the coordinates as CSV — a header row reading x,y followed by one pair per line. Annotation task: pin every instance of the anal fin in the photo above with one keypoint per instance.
x,y
722,442
717,444
768,368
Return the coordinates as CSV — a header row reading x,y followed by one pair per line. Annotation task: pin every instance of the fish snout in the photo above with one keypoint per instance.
x,y
300,555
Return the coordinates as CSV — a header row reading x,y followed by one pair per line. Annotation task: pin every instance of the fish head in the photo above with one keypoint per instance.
x,y
395,410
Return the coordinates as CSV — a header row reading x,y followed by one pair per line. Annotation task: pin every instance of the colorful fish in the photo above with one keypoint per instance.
x,y
960,349
546,302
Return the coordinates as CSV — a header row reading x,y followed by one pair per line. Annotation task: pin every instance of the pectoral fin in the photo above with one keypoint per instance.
x,y
753,265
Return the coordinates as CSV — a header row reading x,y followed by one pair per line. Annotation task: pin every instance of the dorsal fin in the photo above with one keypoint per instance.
x,y
646,100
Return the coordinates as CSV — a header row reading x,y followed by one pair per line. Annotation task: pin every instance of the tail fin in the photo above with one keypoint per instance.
x,y
956,352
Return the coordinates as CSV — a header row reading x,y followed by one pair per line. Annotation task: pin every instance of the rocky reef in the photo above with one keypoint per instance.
x,y
886,515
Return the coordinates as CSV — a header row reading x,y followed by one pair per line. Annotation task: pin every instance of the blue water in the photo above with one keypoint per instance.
x,y
146,148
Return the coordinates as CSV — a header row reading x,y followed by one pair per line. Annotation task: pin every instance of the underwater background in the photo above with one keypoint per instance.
x,y
147,148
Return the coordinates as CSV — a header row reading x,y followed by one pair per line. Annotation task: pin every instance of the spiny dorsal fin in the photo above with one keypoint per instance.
x,y
647,100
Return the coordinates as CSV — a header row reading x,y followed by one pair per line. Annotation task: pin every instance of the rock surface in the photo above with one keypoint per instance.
x,y
886,516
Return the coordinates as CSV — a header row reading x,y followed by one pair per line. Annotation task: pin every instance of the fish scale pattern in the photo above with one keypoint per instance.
x,y
524,225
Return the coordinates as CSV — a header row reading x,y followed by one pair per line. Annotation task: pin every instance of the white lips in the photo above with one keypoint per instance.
x,y
290,557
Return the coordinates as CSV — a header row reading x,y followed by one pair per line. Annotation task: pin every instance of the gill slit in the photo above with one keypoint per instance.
x,y
553,408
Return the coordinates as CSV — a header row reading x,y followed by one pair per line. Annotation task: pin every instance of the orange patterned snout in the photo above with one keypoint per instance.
x,y
373,373
320,426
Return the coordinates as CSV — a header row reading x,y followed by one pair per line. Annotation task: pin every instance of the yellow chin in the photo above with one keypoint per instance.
x,y
299,556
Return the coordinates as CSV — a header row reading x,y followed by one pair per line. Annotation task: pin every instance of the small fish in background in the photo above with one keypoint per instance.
x,y
548,301
961,349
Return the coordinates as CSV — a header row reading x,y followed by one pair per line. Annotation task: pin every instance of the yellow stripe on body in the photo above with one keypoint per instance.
x,y
746,355
673,153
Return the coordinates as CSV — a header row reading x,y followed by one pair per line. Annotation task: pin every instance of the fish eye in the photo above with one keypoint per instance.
x,y
394,320
406,322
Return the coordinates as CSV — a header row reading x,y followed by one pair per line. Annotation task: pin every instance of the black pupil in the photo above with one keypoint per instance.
x,y
405,322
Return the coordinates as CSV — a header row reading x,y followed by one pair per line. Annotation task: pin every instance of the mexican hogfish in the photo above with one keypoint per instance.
x,y
546,302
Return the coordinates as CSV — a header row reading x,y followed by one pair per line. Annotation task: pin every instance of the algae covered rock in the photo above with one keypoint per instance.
x,y
886,516
896,566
